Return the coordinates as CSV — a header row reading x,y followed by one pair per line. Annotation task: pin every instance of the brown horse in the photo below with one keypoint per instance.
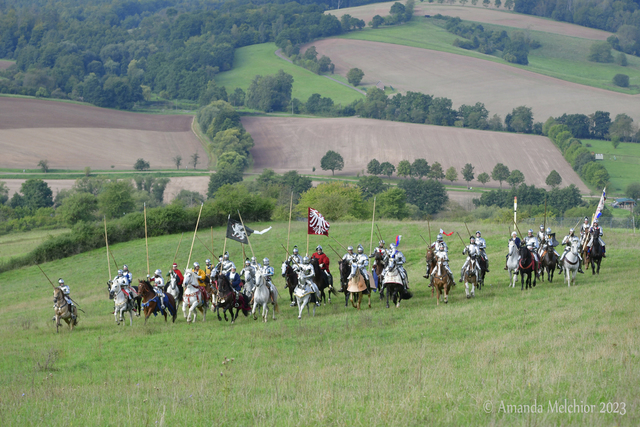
x,y
376,273
227,299
470,276
345,269
430,257
63,310
442,282
548,262
151,302
357,286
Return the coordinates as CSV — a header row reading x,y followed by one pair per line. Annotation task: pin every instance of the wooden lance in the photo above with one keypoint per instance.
x,y
146,242
290,210
246,234
178,248
194,237
373,219
106,242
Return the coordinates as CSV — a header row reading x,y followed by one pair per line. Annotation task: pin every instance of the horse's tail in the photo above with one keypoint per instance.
x,y
276,307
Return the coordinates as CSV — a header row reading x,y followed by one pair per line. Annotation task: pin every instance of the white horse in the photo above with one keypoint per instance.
x,y
512,264
475,269
172,287
122,304
261,297
250,281
192,297
571,263
303,294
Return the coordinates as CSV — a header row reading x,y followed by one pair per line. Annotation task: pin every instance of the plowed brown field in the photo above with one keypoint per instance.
x,y
296,143
480,14
5,64
467,80
72,136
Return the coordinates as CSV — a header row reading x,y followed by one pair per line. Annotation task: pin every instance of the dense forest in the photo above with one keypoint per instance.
x,y
621,17
113,54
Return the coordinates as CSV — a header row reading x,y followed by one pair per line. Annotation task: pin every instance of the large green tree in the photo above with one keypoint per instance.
x,y
116,199
78,207
500,173
436,171
36,194
420,168
467,173
332,161
404,168
354,76
373,167
270,93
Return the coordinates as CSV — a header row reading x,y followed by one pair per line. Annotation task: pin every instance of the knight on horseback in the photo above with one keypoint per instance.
x,y
443,254
596,231
516,240
533,243
380,249
439,240
175,271
226,264
66,292
584,230
568,239
254,263
399,260
125,285
323,263
127,274
307,274
209,268
349,256
234,279
249,273
362,261
158,286
200,274
541,236
482,246
268,272
472,251
295,260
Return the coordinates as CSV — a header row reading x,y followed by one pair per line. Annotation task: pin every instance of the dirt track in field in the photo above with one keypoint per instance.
x,y
479,14
283,144
72,136
467,80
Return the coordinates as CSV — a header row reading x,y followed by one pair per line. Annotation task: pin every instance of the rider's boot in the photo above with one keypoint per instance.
x,y
580,267
487,270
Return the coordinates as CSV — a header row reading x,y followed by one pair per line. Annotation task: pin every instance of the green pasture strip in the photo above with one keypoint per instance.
x,y
622,163
260,59
23,242
415,365
562,57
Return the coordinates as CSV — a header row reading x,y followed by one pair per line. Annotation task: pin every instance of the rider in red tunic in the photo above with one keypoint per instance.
x,y
323,263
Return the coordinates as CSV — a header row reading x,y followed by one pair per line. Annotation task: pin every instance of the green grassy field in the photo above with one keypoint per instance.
x,y
622,163
260,59
560,56
16,244
455,364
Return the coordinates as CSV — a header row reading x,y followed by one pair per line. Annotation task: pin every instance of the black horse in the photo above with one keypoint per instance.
x,y
527,266
291,281
228,299
594,255
482,265
345,270
137,301
549,263
322,281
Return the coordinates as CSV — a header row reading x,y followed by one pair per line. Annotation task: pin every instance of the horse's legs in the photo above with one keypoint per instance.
x,y
130,318
300,307
346,298
446,294
466,288
388,298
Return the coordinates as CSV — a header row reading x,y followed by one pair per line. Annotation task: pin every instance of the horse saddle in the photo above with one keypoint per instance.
x,y
357,286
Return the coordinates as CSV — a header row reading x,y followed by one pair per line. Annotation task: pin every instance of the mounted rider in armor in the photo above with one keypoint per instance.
x,y
542,237
439,240
472,251
399,260
268,272
66,293
295,260
482,246
158,286
306,276
596,232
226,264
248,272
127,274
254,263
362,261
533,243
125,285
516,240
234,279
584,231
443,254
567,241
323,263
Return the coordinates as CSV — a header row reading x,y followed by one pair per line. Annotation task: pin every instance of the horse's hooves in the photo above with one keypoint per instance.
x,y
299,317
468,296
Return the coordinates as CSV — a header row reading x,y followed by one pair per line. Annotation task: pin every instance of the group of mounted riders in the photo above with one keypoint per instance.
x,y
545,243
386,261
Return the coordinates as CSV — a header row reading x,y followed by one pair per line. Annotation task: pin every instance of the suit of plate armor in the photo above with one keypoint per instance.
x,y
306,276
443,254
399,260
470,250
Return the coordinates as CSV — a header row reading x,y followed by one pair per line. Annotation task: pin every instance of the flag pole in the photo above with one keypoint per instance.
x,y
194,237
146,241
177,249
245,232
212,242
106,241
307,243
373,219
290,209
224,248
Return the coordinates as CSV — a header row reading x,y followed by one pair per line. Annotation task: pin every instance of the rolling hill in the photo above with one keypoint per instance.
x,y
297,143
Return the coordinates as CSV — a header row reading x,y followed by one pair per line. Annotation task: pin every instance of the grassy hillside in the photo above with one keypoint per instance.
x,y
260,59
20,243
416,365
560,56
622,163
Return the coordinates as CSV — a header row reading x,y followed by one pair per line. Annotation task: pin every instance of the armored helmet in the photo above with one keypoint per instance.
x,y
305,260
196,265
226,256
440,238
548,230
514,234
530,231
247,262
360,249
120,273
125,267
472,239
295,250
571,230
60,281
350,248
158,272
208,262
541,227
381,243
319,248
265,262
478,233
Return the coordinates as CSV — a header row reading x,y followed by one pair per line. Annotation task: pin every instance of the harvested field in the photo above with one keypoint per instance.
x,y
284,144
72,136
479,14
467,80
4,64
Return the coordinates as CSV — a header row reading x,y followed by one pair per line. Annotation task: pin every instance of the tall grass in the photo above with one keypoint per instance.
x,y
416,365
